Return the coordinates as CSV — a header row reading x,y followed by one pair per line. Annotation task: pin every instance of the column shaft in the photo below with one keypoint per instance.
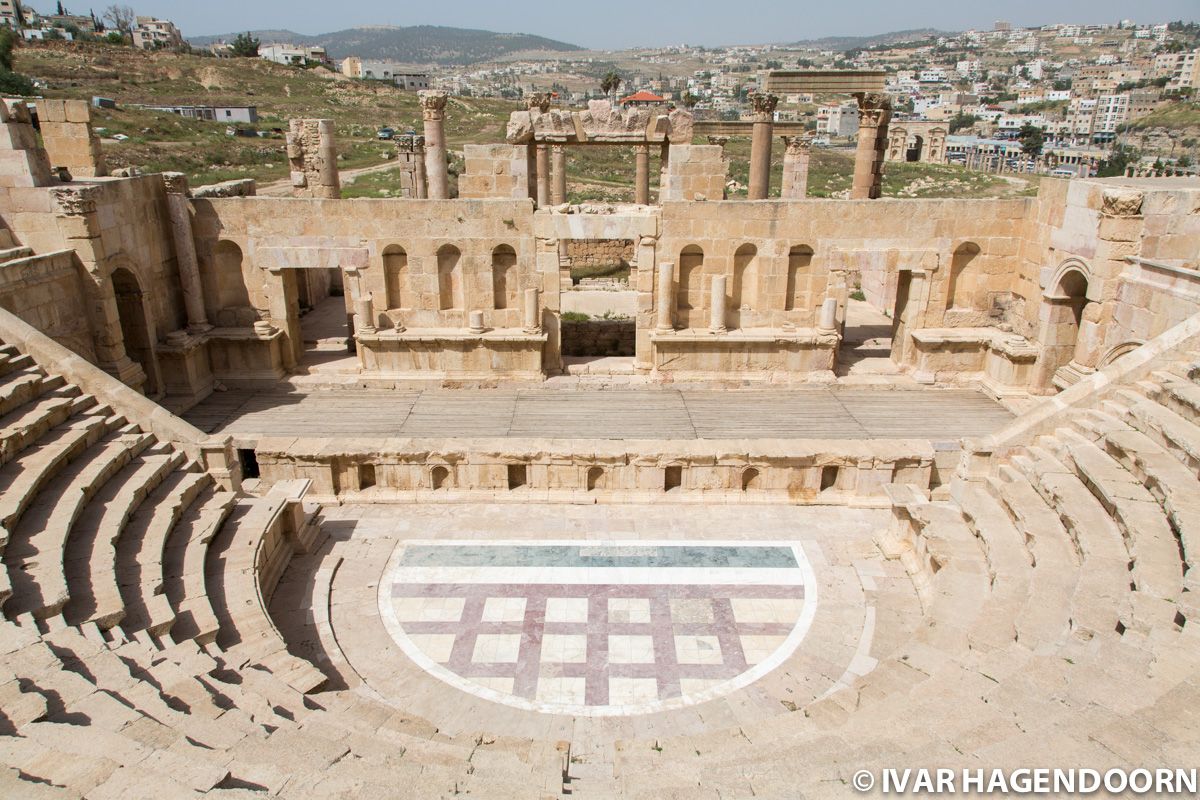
x,y
434,114
641,177
543,175
558,168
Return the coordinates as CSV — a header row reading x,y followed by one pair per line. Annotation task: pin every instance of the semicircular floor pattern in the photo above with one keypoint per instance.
x,y
545,620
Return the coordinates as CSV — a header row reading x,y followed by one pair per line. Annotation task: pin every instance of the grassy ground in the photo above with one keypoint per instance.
x,y
160,141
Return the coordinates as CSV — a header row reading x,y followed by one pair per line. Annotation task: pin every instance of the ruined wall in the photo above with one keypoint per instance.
x,y
779,256
495,171
66,127
442,254
694,172
45,291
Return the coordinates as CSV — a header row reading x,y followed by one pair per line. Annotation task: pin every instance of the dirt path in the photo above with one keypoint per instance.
x,y
283,187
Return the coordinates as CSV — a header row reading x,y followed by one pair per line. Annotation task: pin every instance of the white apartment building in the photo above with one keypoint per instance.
x,y
293,55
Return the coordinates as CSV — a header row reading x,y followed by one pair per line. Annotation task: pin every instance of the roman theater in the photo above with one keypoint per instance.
x,y
319,497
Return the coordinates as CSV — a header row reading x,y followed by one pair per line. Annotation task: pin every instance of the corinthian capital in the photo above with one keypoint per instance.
x,y
797,145
433,103
873,101
763,104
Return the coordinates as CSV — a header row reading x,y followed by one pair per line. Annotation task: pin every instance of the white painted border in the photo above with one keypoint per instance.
x,y
808,613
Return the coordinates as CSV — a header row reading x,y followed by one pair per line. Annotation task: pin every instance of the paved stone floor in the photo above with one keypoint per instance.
x,y
610,621
942,415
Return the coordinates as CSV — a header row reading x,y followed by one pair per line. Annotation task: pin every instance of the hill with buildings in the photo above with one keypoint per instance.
x,y
846,43
420,44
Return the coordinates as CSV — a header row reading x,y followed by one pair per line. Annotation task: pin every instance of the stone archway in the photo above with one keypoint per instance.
x,y
1063,326
136,327
914,151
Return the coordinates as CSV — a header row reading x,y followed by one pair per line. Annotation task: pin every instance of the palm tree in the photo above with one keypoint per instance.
x,y
610,82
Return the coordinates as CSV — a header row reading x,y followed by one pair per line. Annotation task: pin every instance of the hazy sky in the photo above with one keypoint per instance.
x,y
627,23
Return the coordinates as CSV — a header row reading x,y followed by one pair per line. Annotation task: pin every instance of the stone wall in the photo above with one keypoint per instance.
x,y
45,291
599,470
593,253
495,171
598,337
694,172
66,127
312,154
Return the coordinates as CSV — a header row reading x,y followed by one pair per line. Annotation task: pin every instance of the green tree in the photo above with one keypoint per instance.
x,y
689,100
1032,139
961,121
244,46
610,82
8,40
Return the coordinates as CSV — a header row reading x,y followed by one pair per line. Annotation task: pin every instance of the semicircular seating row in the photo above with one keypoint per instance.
x,y
136,657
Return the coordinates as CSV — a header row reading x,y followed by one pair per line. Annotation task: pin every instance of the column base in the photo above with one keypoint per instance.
x,y
127,371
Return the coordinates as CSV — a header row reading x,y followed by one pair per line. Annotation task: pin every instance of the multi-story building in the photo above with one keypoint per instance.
x,y
355,67
1187,71
293,55
839,120
151,33
10,13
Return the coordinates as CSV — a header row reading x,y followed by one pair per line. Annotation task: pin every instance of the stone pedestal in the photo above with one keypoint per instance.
x,y
641,175
795,167
875,110
760,144
827,319
433,112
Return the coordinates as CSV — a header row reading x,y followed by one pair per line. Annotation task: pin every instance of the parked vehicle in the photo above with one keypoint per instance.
x,y
386,133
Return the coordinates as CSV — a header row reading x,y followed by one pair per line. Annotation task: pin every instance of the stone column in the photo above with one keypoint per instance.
x,y
641,174
179,207
666,291
533,316
827,319
420,176
543,175
760,144
365,313
312,153
874,111
475,322
558,168
331,182
716,306
795,167
433,111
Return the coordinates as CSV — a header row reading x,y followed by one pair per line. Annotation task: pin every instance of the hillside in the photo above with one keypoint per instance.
x,y
844,43
420,44
161,141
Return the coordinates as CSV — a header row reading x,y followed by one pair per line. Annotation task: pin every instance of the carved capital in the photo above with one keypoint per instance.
x,y
873,101
718,140
433,103
762,103
798,145
414,143
1122,202
539,101
75,201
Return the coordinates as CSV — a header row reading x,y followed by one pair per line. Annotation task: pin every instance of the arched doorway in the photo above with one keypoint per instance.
x,y
136,329
914,150
1061,320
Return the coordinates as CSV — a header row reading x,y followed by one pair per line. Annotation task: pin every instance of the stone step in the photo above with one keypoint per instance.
x,y
1045,618
1157,567
14,253
21,480
12,360
24,426
1100,601
184,562
140,558
23,386
92,564
1176,434
1009,563
36,555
